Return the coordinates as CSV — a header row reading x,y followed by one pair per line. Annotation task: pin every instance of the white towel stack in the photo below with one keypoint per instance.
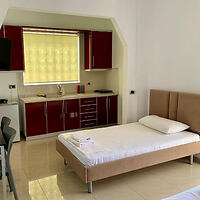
x,y
81,139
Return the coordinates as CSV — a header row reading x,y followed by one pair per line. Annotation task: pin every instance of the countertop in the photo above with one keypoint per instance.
x,y
54,97
9,103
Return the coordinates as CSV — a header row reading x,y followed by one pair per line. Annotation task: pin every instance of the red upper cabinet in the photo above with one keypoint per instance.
x,y
72,114
98,50
55,116
36,115
2,31
15,34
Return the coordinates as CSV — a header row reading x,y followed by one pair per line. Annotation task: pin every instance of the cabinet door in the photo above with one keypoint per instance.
x,y
101,50
2,31
112,109
102,114
55,116
14,33
36,118
88,37
72,114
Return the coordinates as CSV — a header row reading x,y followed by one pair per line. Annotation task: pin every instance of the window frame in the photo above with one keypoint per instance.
x,y
61,31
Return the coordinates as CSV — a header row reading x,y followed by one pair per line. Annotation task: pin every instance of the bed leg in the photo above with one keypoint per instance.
x,y
65,162
191,159
89,187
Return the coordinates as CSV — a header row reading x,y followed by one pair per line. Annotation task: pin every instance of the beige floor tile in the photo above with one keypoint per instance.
x,y
79,196
112,190
40,174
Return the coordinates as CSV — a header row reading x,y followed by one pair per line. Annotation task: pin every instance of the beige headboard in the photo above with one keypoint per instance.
x,y
179,106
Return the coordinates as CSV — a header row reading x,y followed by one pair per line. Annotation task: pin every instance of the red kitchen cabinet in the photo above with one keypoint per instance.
x,y
112,109
36,115
55,116
102,111
98,50
15,34
2,31
72,114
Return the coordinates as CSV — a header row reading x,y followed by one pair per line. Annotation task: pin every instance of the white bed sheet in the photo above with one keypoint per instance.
x,y
117,142
191,194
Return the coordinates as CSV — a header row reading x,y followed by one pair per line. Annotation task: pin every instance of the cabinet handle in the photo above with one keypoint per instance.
x,y
88,124
4,32
45,110
92,61
107,103
88,109
89,102
63,108
89,116
66,108
76,114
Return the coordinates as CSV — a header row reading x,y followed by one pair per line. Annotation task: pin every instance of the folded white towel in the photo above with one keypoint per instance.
x,y
80,137
80,144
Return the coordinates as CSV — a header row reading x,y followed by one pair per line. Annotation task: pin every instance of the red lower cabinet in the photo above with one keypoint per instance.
x,y
72,114
102,110
36,119
55,116
112,109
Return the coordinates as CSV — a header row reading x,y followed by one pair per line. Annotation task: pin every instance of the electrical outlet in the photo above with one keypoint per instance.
x,y
12,86
132,92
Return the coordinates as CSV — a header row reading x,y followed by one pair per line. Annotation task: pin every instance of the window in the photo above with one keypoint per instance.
x,y
51,56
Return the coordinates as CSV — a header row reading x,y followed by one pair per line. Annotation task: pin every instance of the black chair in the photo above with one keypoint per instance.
x,y
5,121
9,135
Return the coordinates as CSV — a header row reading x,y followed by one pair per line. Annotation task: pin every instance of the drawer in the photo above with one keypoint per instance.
x,y
88,101
91,108
88,116
90,123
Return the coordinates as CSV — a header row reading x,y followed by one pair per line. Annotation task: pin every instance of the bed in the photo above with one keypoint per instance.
x,y
123,156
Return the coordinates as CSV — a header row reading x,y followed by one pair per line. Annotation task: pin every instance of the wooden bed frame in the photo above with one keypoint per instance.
x,y
183,107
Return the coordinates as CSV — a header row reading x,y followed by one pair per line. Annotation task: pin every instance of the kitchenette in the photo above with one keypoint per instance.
x,y
47,116
43,103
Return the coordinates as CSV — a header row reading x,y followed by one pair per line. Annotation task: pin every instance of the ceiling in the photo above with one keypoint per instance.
x,y
23,17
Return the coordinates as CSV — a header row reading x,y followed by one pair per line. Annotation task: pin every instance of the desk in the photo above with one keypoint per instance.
x,y
3,165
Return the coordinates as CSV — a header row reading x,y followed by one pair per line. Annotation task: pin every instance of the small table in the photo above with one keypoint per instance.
x,y
3,164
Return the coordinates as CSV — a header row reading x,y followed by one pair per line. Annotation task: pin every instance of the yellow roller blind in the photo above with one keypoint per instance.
x,y
51,57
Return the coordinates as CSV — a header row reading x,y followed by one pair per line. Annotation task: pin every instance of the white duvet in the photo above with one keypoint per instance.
x,y
191,194
117,142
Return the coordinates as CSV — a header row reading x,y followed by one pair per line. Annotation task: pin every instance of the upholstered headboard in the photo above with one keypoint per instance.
x,y
179,106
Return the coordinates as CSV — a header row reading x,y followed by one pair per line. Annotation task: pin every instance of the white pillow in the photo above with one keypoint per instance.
x,y
162,124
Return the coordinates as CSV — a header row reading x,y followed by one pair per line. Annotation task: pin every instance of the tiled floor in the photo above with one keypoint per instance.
x,y
40,174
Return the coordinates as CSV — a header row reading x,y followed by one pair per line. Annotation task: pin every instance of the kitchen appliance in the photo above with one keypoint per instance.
x,y
5,53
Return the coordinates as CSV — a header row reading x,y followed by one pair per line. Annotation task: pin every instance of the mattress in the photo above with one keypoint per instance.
x,y
191,194
122,141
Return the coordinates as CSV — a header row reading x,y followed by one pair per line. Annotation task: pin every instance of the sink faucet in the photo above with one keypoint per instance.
x,y
60,90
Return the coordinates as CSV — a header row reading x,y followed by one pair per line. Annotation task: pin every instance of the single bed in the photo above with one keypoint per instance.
x,y
122,141
116,153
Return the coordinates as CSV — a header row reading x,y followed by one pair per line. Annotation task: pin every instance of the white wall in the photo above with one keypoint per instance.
x,y
6,79
123,13
168,47
3,9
